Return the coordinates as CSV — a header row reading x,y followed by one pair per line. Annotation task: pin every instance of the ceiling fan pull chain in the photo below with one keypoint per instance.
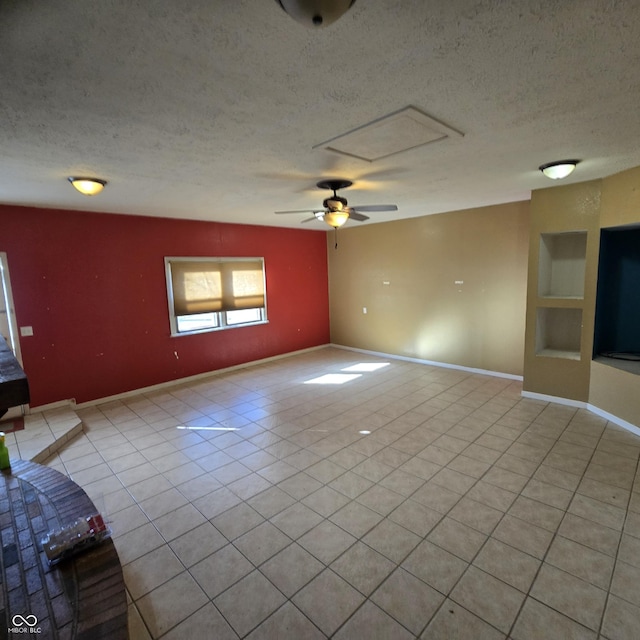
x,y
335,231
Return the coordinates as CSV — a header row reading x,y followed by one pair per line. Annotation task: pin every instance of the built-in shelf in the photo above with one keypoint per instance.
x,y
558,332
561,264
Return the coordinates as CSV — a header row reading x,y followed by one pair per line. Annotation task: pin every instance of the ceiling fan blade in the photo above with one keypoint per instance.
x,y
311,219
354,215
300,211
376,207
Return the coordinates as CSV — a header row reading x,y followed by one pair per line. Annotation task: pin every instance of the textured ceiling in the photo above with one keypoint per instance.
x,y
210,109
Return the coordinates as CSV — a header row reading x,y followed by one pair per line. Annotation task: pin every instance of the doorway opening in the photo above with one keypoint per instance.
x,y
9,331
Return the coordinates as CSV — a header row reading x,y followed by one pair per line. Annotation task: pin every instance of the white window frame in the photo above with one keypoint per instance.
x,y
221,316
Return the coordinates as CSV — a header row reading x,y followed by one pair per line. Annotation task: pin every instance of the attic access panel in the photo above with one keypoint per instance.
x,y
400,131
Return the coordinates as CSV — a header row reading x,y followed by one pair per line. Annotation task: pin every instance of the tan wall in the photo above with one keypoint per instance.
x,y
621,199
574,207
590,206
611,389
422,312
616,392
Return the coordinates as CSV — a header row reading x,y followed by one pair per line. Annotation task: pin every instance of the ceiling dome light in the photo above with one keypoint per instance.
x,y
315,13
88,186
558,170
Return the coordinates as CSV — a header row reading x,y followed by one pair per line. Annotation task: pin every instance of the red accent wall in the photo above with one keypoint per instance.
x,y
93,288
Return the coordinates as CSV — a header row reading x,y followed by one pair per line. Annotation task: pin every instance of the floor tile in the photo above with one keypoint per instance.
x,y
548,493
363,568
629,550
270,502
326,541
523,535
508,564
261,543
476,515
328,601
569,595
296,520
539,622
380,499
220,570
137,542
458,538
435,566
257,590
415,517
197,544
596,511
590,534
453,621
408,600
237,521
453,457
171,603
175,523
392,540
126,520
580,561
300,485
489,598
151,570
287,622
325,501
136,626
371,622
291,569
620,620
162,503
356,519
626,579
204,623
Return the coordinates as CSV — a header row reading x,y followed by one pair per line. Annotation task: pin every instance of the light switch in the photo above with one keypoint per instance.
x,y
26,331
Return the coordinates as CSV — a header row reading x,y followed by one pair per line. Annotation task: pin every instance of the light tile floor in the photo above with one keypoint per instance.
x,y
255,504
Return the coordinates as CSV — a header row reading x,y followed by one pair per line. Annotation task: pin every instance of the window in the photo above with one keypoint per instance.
x,y
209,294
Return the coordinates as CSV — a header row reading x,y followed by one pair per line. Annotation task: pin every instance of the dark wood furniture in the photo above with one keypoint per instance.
x,y
14,388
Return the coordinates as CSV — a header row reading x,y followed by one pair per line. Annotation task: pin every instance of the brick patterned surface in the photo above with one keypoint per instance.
x,y
82,598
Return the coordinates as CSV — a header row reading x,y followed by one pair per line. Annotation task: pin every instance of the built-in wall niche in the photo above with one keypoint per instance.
x,y
558,332
617,323
561,264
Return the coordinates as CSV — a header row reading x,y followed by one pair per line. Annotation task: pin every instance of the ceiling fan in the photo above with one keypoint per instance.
x,y
336,210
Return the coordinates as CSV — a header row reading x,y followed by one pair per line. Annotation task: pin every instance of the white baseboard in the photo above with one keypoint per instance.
x,y
555,399
584,405
433,363
194,378
611,418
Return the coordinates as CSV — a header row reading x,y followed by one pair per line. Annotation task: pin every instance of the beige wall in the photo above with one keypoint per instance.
x,y
574,207
615,391
611,389
588,206
405,274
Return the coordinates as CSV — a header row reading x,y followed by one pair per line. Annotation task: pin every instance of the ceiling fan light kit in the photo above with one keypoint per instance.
x,y
559,169
315,13
335,219
336,209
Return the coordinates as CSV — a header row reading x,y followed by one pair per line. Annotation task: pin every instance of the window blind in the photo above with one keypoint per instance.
x,y
203,286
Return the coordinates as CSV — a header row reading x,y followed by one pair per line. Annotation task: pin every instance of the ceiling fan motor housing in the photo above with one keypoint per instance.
x,y
335,203
315,13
